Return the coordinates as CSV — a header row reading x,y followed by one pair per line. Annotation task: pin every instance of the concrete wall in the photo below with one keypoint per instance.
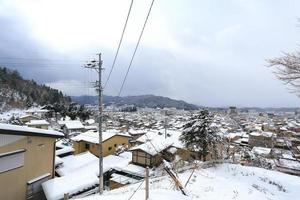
x,y
38,161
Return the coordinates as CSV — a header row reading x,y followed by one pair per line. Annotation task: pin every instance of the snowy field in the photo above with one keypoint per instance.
x,y
225,181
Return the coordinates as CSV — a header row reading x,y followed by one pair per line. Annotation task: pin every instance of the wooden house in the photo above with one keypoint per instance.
x,y
148,154
89,141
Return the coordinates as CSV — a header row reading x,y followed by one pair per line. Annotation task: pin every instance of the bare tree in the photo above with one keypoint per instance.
x,y
288,70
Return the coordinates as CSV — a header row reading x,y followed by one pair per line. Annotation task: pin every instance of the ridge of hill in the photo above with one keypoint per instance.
x,y
16,92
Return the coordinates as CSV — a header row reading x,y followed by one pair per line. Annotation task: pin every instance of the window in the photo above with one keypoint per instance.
x,y
109,148
87,146
11,160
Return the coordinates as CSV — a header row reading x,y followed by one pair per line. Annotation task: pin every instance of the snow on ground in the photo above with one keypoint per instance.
x,y
225,181
261,151
4,116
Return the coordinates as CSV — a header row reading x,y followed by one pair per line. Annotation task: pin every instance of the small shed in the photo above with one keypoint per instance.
x,y
261,139
148,154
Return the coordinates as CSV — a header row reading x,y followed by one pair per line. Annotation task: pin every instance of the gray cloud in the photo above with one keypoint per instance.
x,y
206,52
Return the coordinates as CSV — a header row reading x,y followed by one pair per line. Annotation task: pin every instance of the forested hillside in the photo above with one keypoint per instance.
x,y
16,92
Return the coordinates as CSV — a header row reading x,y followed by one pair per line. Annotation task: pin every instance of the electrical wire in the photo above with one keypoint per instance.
x,y
136,189
119,45
136,47
39,59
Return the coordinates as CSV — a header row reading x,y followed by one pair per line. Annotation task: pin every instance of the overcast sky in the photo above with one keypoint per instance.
x,y
207,52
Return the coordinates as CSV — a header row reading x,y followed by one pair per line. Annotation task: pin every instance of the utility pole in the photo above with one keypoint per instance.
x,y
100,125
98,67
165,124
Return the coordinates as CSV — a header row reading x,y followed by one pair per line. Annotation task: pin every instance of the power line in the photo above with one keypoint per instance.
x,y
119,45
136,189
39,59
36,64
136,47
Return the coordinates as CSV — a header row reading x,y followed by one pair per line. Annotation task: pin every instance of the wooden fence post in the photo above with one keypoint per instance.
x,y
66,196
147,183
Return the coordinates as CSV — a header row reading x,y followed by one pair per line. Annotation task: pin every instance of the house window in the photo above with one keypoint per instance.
x,y
87,146
11,160
109,148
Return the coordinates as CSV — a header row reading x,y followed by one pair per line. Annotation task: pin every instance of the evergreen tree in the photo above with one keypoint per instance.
x,y
28,91
199,136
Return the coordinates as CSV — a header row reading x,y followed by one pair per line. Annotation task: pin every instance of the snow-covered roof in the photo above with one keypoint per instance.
x,y
81,163
88,163
55,189
73,124
90,127
261,151
118,178
37,110
159,141
113,161
264,134
93,137
154,136
132,169
287,163
90,121
128,154
25,130
153,147
233,135
136,131
66,149
28,115
58,161
37,122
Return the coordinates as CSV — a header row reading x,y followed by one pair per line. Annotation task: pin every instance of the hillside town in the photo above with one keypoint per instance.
x,y
153,100
55,156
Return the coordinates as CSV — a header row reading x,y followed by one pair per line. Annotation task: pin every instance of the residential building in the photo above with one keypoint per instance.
x,y
28,118
42,124
147,154
261,139
26,161
111,139
71,126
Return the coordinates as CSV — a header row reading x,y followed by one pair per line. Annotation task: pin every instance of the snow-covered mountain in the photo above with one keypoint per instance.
x,y
150,101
